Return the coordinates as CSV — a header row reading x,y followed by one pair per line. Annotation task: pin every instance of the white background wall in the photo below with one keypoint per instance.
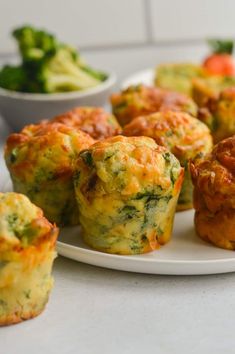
x,y
123,35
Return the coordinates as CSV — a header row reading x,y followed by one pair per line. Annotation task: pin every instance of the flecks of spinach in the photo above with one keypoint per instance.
x,y
13,156
167,157
129,211
87,158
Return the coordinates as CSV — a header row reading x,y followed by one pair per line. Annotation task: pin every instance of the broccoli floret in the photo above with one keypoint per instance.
x,y
13,78
34,44
49,66
62,73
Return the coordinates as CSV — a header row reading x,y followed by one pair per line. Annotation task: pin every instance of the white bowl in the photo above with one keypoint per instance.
x,y
20,109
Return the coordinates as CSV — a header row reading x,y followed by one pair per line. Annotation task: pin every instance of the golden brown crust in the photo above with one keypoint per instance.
x,y
17,317
182,134
40,160
127,189
217,110
27,251
93,121
142,100
185,136
214,195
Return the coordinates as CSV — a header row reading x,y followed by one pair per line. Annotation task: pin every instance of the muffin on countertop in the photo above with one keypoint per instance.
x,y
27,251
94,121
185,136
142,100
214,195
127,191
40,161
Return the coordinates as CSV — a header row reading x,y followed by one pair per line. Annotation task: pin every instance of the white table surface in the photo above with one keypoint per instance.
x,y
100,311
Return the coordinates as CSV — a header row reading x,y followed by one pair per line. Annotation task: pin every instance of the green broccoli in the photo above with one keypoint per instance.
x,y
13,78
34,44
47,66
62,73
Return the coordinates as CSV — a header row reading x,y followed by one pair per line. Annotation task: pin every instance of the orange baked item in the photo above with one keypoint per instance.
x,y
94,121
40,161
185,136
216,110
27,252
127,190
214,195
142,100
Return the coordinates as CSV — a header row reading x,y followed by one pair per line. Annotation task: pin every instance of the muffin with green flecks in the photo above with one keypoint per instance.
x,y
127,190
40,161
185,136
27,252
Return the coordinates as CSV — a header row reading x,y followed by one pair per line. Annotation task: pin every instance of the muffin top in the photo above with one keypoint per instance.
x,y
214,176
21,223
206,89
141,100
93,121
177,76
223,113
44,151
217,110
126,166
182,134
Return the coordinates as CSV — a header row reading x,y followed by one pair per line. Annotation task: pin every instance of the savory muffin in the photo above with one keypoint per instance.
x,y
127,191
142,100
218,113
93,121
27,251
40,162
209,88
186,137
214,195
178,77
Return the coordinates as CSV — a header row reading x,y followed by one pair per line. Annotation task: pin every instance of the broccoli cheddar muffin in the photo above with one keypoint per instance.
x,y
127,191
178,77
93,121
40,161
214,195
27,251
218,112
141,100
186,137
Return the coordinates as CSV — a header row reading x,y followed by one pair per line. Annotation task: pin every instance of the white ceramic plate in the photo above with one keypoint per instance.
x,y
185,254
142,77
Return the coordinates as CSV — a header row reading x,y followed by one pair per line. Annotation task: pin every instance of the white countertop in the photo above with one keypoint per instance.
x,y
100,311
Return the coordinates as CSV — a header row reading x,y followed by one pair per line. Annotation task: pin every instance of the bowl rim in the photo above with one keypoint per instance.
x,y
60,96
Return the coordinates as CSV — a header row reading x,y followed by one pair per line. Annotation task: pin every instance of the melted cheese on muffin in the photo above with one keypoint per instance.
x,y
27,252
186,137
127,190
40,161
93,121
142,100
214,195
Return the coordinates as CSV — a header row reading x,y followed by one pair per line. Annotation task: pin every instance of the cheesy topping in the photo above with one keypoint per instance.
x,y
185,136
92,120
40,161
142,100
127,189
21,222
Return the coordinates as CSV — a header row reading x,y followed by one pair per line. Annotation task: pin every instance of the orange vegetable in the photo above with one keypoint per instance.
x,y
221,62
